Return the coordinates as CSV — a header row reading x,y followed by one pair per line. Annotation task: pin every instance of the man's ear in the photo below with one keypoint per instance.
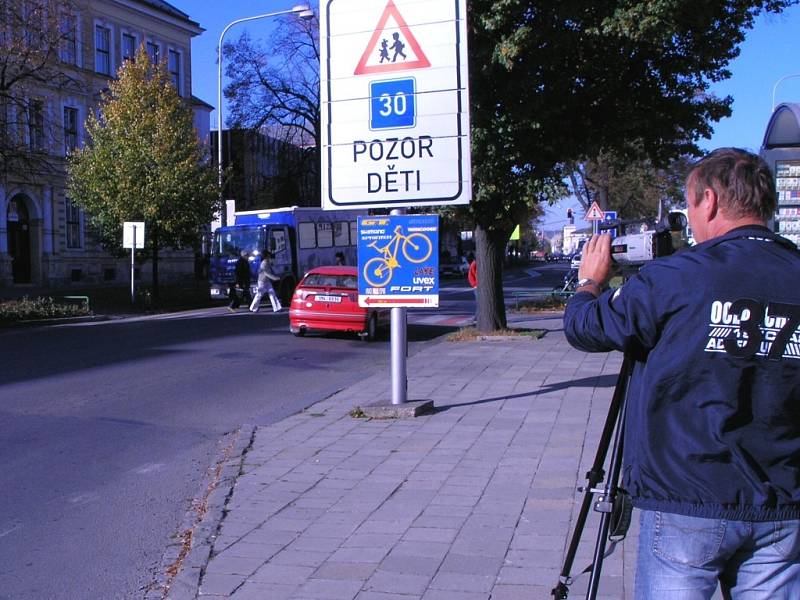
x,y
710,204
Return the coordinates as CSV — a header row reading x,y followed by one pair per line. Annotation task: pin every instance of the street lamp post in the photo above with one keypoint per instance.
x,y
777,83
304,12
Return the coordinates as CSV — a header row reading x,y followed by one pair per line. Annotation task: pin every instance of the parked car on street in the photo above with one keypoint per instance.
x,y
327,300
575,262
538,256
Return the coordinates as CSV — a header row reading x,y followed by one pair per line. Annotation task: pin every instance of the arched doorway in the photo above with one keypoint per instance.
x,y
19,239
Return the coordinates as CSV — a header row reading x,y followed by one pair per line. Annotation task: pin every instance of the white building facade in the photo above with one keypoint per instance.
x,y
44,240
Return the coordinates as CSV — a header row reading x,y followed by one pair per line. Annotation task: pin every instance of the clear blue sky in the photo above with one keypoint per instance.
x,y
769,52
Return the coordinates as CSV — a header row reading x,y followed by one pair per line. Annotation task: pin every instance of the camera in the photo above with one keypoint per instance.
x,y
635,249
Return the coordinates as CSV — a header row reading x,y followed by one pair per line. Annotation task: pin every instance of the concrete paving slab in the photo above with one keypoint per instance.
x,y
475,500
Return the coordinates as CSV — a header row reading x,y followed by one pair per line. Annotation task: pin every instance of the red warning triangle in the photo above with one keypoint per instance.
x,y
594,213
421,62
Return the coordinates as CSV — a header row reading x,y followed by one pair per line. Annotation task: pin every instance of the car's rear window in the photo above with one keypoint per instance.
x,y
349,282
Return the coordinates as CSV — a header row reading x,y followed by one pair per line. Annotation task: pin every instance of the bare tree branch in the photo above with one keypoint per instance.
x,y
274,88
38,51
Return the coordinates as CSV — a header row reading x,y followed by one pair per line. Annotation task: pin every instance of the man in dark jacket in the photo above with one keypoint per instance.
x,y
241,276
712,434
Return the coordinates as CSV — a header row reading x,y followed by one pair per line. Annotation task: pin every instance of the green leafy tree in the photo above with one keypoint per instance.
x,y
554,82
635,188
144,162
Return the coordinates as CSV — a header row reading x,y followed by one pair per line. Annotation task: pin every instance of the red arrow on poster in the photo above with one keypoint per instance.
x,y
397,46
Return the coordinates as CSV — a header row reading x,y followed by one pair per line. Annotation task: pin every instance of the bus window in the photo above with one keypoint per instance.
x,y
277,240
307,235
324,235
341,233
231,242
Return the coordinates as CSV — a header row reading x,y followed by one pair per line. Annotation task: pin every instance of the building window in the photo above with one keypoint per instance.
x,y
69,39
70,129
33,19
175,69
128,46
152,52
102,50
36,125
5,139
73,225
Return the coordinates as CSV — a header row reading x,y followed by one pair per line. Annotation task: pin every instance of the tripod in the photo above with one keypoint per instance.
x,y
613,503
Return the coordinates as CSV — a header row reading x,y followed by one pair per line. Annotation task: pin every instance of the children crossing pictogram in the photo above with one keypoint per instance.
x,y
406,52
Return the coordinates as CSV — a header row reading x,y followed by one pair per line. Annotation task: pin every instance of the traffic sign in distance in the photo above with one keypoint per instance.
x,y
594,213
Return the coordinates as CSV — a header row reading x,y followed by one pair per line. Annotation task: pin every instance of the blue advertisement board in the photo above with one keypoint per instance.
x,y
398,261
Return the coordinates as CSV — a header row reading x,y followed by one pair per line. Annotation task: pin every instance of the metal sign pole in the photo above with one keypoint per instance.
x,y
133,251
399,347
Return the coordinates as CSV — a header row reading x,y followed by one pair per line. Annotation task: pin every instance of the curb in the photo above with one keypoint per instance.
x,y
53,321
201,523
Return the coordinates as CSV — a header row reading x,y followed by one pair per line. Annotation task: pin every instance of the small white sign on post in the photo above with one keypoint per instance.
x,y
133,238
133,231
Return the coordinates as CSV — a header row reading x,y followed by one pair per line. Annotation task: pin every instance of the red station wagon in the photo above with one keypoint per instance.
x,y
327,300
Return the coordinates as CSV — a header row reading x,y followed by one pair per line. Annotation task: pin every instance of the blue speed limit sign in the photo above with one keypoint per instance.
x,y
392,104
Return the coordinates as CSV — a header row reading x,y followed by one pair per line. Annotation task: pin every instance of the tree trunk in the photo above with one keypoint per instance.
x,y
154,292
490,247
602,197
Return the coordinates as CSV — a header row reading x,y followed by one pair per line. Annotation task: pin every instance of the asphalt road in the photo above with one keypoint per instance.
x,y
107,429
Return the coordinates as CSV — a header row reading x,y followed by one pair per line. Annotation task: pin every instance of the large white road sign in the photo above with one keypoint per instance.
x,y
395,103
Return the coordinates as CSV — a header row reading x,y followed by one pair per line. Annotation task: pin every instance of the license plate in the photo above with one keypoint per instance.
x,y
320,298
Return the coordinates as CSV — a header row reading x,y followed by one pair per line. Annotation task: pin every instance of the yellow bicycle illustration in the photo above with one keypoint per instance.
x,y
417,247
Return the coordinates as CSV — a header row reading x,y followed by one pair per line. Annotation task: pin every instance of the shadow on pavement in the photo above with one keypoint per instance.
x,y
600,381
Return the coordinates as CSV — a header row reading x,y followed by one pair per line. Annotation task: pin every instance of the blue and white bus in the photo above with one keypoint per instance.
x,y
300,239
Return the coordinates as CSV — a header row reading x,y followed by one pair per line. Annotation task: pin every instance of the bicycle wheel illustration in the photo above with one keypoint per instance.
x,y
417,247
377,272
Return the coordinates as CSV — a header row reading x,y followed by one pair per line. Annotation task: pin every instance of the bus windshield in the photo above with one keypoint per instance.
x,y
231,242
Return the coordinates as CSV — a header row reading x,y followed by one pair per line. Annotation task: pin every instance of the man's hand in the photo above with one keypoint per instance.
x,y
596,260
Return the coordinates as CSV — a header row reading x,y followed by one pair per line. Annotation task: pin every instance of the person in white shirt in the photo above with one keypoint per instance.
x,y
265,278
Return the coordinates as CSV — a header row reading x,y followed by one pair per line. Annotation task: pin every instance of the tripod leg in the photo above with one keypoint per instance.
x,y
606,504
594,477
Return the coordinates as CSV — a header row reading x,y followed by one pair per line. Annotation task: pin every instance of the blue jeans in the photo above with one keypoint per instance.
x,y
683,558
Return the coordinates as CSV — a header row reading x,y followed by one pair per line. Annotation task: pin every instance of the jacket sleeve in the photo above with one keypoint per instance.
x,y
472,274
624,319
269,272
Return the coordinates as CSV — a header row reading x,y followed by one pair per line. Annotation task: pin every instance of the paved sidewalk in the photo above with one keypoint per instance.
x,y
473,502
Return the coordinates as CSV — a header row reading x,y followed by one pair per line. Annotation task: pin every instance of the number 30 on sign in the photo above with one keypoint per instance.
x,y
392,104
